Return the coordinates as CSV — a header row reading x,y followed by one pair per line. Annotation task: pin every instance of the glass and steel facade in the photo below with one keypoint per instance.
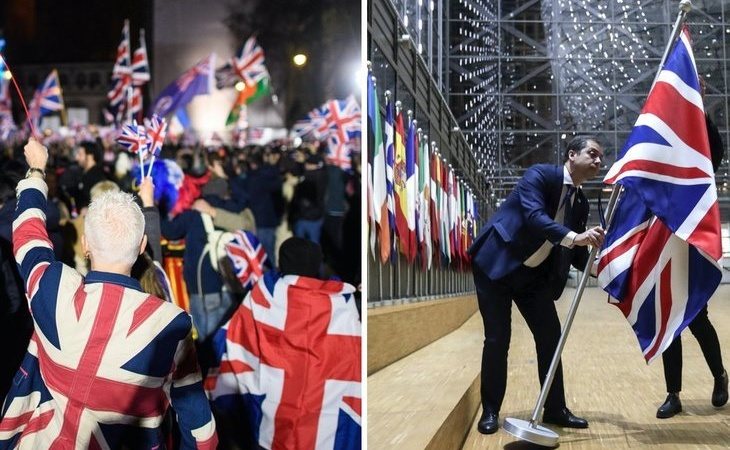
x,y
526,75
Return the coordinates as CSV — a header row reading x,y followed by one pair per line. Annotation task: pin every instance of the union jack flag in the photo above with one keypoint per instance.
x,y
338,153
47,99
136,105
140,63
118,93
291,356
156,131
315,124
105,360
342,118
6,106
6,110
248,257
247,66
134,138
661,255
122,71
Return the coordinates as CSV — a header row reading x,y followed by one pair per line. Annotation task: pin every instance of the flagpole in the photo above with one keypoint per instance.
x,y
533,431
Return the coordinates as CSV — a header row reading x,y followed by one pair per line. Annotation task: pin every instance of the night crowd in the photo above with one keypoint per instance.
x,y
274,191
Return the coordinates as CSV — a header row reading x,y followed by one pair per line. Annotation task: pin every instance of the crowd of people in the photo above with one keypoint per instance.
x,y
273,191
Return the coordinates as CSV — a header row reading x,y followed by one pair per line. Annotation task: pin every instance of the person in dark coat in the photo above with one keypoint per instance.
x,y
263,185
701,327
523,254
88,155
307,207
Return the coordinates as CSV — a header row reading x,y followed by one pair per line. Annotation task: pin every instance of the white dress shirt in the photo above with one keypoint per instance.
x,y
542,253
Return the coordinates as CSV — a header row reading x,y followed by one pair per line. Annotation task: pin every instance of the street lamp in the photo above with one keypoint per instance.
x,y
300,59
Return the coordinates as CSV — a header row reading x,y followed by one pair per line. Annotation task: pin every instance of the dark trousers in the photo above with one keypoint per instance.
x,y
527,288
710,345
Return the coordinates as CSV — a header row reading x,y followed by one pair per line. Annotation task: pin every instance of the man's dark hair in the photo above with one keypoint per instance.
x,y
577,144
94,149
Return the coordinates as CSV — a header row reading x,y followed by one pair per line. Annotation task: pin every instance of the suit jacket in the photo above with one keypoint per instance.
x,y
523,223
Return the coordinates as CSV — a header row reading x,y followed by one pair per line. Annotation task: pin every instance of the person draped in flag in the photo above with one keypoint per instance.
x,y
106,359
290,360
523,254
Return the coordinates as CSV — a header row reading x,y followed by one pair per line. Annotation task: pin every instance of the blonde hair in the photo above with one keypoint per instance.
x,y
114,228
101,187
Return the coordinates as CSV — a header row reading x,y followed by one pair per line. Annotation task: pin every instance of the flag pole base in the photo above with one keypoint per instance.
x,y
531,432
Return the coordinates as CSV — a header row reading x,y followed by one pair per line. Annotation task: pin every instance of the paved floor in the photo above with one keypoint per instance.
x,y
608,383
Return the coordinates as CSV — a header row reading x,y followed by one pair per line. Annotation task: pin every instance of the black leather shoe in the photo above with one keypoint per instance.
x,y
719,393
671,407
564,418
488,423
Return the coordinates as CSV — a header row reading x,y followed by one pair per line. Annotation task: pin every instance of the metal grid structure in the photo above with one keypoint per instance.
x,y
520,78
528,74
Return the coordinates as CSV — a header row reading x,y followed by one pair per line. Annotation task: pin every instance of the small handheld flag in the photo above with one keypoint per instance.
x,y
134,138
156,131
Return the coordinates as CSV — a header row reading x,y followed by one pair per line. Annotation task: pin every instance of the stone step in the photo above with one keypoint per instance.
x,y
428,399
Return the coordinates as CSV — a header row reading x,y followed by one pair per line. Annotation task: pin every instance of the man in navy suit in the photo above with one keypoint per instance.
x,y
524,254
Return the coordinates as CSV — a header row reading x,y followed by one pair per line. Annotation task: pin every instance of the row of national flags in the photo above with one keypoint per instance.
x,y
416,203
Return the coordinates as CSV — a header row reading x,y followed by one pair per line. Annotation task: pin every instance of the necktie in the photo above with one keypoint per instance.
x,y
568,205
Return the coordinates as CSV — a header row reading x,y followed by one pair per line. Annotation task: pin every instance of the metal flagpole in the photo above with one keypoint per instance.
x,y
533,431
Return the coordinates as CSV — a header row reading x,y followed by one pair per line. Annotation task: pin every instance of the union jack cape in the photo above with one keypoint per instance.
x,y
105,360
290,359
661,255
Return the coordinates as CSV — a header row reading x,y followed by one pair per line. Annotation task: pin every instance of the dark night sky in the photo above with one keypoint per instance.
x,y
80,31
53,31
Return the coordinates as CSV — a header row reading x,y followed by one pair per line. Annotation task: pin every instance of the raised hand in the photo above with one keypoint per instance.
x,y
36,154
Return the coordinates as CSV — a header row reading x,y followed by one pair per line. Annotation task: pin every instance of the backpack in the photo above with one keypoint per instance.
x,y
216,245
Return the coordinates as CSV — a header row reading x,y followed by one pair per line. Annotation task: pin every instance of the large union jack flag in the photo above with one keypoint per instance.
x,y
290,358
248,257
661,256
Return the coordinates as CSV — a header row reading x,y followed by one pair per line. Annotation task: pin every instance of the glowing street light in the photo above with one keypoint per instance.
x,y
300,59
240,86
